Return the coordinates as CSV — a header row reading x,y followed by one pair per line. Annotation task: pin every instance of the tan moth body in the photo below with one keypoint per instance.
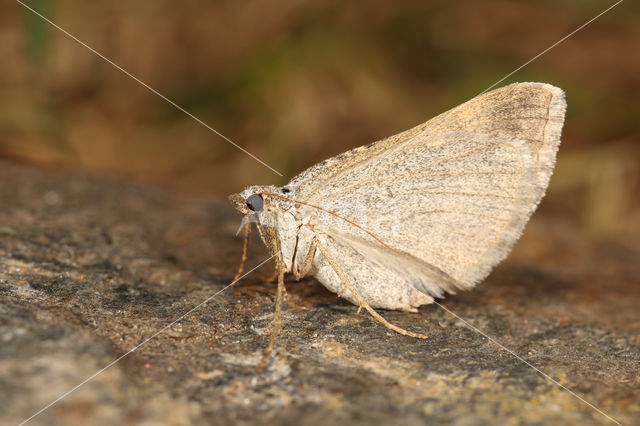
x,y
425,212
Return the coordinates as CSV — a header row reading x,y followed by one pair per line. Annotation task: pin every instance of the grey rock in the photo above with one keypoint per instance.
x,y
90,268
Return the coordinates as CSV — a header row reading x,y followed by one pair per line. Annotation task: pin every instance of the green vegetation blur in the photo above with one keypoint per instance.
x,y
296,81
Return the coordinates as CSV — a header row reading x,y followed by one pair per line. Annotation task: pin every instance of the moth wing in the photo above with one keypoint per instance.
x,y
422,276
454,192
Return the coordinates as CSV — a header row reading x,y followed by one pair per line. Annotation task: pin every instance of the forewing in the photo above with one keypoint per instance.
x,y
456,191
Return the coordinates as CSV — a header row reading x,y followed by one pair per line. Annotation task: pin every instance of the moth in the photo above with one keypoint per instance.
x,y
426,212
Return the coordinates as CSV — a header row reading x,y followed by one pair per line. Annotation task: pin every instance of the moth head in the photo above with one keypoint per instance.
x,y
257,201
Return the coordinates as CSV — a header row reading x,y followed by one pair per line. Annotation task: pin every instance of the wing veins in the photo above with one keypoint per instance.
x,y
465,213
379,178
472,194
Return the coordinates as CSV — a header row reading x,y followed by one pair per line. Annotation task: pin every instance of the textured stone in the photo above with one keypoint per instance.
x,y
90,268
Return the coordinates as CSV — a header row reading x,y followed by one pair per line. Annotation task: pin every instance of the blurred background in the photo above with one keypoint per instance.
x,y
296,81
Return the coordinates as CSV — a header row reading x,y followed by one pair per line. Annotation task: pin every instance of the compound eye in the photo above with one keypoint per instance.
x,y
255,202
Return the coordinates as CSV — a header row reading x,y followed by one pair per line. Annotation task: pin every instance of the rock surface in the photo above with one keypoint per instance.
x,y
91,268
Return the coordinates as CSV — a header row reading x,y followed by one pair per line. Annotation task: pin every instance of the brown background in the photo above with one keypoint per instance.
x,y
296,81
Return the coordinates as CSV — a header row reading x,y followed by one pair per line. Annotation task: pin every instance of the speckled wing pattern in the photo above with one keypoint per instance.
x,y
453,193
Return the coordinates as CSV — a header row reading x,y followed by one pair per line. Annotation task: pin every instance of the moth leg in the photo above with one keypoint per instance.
x,y
247,230
276,324
273,245
307,264
361,302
